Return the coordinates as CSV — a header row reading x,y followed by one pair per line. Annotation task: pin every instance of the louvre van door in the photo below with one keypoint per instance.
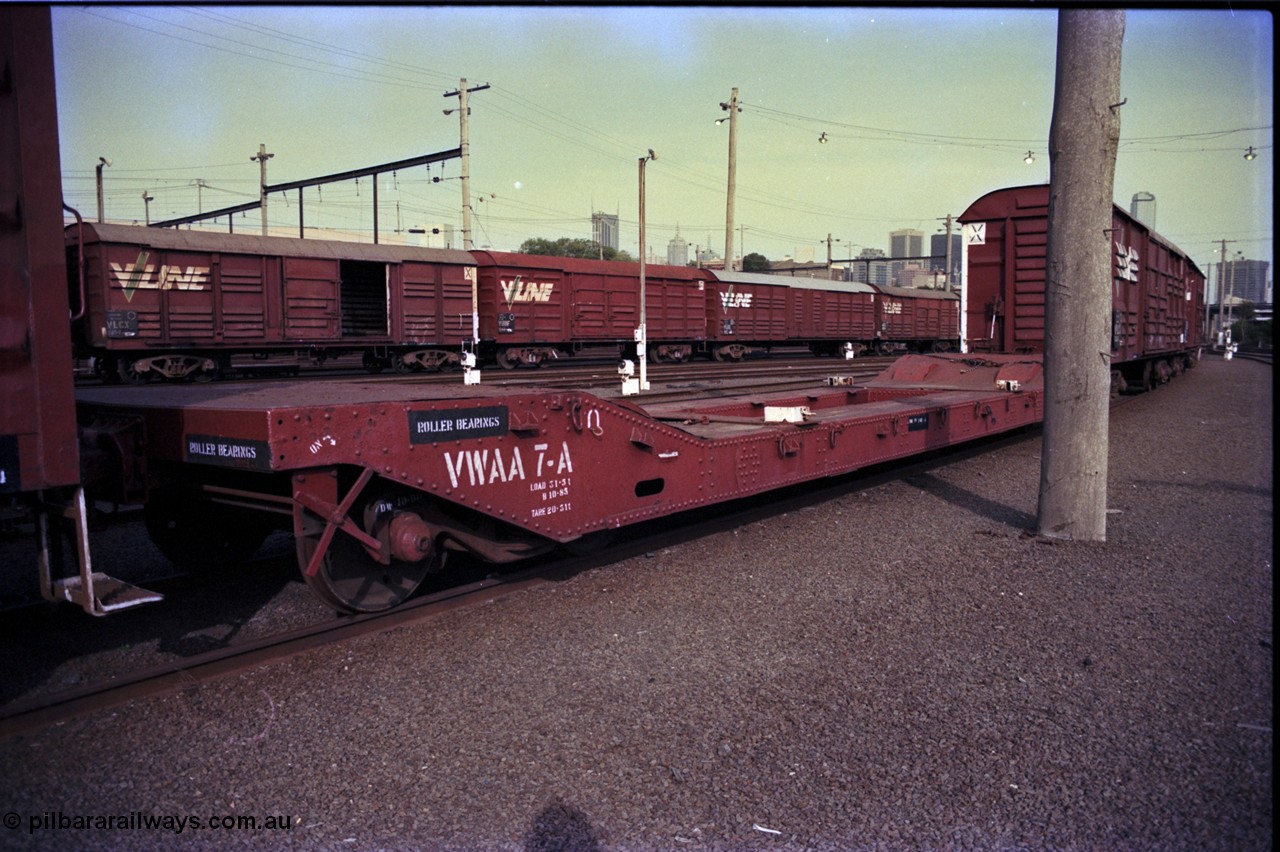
x,y
310,299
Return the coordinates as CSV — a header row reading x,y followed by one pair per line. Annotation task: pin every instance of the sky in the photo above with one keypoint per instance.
x,y
923,111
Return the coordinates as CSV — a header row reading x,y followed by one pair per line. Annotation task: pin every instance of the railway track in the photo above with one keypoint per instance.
x,y
42,710
582,371
1260,355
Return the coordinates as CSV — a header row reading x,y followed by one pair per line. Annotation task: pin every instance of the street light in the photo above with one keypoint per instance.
x,y
146,201
1030,158
628,385
1250,154
102,161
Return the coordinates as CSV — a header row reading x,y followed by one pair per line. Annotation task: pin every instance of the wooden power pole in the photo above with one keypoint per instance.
x,y
1083,137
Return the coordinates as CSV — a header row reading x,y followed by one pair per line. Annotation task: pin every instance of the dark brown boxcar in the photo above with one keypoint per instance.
x,y
830,314
40,454
536,307
911,318
1157,290
746,310
38,444
178,303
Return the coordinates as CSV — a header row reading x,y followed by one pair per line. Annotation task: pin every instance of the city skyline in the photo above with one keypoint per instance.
x,y
843,134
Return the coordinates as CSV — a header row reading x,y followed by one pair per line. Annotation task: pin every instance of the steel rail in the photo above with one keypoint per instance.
x,y
29,714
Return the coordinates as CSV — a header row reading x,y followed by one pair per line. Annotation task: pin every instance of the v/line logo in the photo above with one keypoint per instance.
x,y
140,275
519,290
1126,262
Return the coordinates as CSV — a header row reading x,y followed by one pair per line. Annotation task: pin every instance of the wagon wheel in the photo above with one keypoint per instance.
x,y
1148,377
106,368
128,371
508,360
193,531
351,580
220,366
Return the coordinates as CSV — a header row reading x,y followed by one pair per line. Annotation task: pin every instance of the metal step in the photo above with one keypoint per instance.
x,y
102,594
93,591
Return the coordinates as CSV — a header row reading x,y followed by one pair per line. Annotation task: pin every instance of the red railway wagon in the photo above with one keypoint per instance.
x,y
40,459
536,308
1157,291
37,437
831,315
915,319
748,310
382,481
179,303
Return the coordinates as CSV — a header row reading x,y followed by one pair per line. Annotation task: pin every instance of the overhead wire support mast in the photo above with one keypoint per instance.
x,y
464,146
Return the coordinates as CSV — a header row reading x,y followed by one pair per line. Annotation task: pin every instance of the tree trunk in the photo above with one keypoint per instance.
x,y
1083,137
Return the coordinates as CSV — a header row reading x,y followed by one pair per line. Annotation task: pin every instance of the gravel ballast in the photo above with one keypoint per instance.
x,y
900,667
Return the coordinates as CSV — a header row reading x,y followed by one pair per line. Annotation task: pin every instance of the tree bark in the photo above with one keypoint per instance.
x,y
1083,138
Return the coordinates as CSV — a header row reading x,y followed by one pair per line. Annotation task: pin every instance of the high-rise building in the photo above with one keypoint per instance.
x,y
906,243
604,229
1143,208
678,252
938,249
869,267
1243,280
903,243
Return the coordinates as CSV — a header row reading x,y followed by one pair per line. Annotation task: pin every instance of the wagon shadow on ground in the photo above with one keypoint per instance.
x,y
50,648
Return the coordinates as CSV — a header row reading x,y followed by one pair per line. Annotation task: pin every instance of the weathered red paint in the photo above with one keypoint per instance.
x,y
1157,290
561,464
38,444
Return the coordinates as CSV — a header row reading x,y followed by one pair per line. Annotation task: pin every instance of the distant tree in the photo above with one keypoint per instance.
x,y
1247,330
1263,332
755,263
573,247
